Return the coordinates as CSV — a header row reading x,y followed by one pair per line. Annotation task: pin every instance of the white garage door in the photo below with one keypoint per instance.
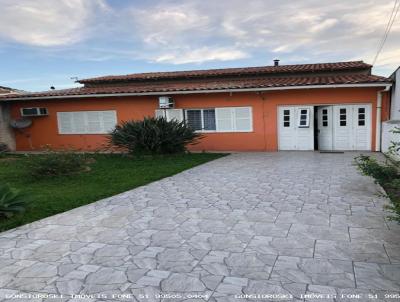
x,y
340,127
344,127
296,128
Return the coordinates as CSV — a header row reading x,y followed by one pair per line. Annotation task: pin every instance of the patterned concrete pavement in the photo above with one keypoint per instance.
x,y
289,226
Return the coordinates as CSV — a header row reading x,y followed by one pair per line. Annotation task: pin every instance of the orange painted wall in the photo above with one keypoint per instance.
x,y
263,138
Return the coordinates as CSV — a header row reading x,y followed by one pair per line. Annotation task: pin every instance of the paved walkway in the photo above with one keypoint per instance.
x,y
248,224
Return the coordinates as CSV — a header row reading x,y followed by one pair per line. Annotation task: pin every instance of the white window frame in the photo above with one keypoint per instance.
x,y
307,125
86,122
232,115
202,119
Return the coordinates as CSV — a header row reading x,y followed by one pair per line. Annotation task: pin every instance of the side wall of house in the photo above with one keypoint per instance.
x,y
44,130
395,97
7,135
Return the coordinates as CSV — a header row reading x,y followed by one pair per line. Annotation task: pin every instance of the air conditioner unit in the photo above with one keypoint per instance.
x,y
165,102
35,111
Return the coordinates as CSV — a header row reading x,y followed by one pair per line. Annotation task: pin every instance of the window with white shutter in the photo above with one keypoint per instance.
x,y
243,119
86,122
175,114
234,119
170,114
224,119
160,113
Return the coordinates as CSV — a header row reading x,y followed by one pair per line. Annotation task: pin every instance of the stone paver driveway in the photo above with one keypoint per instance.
x,y
244,226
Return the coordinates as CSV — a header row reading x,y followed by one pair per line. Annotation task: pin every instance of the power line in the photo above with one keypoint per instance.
x,y
389,25
382,41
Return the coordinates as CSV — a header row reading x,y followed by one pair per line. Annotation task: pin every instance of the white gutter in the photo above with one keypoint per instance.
x,y
378,141
197,91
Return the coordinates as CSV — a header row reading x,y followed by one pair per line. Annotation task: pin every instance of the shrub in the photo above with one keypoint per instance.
x,y
153,136
382,172
54,163
387,175
11,202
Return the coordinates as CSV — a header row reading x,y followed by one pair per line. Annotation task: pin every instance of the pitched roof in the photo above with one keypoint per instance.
x,y
199,85
282,69
6,90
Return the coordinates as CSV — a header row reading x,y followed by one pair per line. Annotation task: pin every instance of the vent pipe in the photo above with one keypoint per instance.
x,y
276,62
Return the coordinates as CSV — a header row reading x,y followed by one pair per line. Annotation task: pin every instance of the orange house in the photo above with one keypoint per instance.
x,y
326,106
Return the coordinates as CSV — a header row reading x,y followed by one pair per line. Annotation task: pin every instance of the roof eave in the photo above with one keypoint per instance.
x,y
100,95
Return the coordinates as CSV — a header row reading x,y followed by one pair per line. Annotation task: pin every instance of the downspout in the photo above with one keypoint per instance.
x,y
379,118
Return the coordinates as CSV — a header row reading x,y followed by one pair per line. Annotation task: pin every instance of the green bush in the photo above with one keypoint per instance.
x,y
382,172
392,189
11,202
54,163
153,136
387,175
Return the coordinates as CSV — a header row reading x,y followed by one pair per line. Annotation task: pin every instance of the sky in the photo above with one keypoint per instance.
x,y
47,43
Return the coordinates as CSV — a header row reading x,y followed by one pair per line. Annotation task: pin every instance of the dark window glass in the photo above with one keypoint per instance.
x,y
361,116
286,112
286,124
324,111
361,123
286,118
361,110
209,119
342,123
303,111
325,123
194,119
303,122
342,110
324,118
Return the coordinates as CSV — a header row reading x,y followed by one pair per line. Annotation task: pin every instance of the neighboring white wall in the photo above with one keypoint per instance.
x,y
6,132
395,98
388,136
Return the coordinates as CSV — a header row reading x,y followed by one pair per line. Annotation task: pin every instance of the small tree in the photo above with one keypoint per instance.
x,y
153,136
394,148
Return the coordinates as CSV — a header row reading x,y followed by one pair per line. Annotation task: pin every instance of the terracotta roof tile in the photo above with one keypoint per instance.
x,y
298,68
207,84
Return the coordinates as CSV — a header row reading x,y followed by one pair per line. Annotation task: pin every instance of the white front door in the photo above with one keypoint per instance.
x,y
325,128
296,128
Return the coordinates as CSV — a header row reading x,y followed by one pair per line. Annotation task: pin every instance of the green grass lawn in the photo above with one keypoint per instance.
x,y
109,175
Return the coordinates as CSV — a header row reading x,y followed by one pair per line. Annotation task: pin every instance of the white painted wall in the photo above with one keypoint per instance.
x,y
395,98
388,136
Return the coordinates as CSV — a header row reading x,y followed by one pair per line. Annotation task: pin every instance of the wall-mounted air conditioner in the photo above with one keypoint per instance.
x,y
165,102
34,111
